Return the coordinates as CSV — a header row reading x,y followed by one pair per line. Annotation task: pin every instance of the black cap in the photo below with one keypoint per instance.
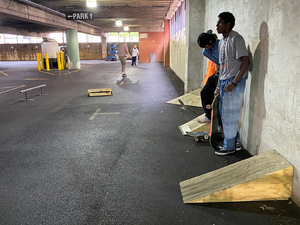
x,y
205,39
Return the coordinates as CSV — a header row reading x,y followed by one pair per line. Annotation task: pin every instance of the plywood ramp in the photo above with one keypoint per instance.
x,y
267,176
190,99
99,92
194,126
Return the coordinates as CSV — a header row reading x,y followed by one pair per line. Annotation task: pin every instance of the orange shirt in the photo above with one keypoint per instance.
x,y
211,69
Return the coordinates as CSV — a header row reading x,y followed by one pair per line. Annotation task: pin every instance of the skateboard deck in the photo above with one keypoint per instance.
x,y
213,140
199,136
185,108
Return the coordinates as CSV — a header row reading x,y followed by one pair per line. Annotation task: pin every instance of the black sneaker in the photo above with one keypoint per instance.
x,y
238,146
223,151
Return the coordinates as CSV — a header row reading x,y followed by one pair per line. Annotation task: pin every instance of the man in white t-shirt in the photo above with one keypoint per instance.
x,y
135,54
234,63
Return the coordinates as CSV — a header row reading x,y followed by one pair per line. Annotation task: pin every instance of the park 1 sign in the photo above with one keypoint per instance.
x,y
79,16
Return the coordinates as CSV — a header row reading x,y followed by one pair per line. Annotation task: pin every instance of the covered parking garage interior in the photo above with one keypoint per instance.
x,y
66,158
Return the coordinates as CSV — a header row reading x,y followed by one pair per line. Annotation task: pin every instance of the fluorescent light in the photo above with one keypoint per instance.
x,y
91,3
126,28
118,23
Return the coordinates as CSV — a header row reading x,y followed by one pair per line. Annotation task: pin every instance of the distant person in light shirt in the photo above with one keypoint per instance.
x,y
135,55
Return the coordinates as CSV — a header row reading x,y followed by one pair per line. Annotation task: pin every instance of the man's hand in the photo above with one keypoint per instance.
x,y
229,87
217,91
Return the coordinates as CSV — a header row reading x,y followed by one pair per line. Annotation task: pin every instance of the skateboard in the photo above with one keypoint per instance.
x,y
199,136
185,108
213,140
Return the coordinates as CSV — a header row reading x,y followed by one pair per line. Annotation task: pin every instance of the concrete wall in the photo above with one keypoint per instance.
x,y
185,54
27,52
195,13
271,112
178,49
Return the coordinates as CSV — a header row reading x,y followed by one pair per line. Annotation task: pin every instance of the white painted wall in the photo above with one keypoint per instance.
x,y
270,116
178,55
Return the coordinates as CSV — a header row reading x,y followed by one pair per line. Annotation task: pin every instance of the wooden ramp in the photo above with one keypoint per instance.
x,y
99,92
194,126
190,99
260,178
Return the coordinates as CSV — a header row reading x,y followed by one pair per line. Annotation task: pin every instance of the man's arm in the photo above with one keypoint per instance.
x,y
126,50
243,69
207,54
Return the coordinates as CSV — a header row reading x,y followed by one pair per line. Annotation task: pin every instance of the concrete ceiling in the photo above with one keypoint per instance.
x,y
138,15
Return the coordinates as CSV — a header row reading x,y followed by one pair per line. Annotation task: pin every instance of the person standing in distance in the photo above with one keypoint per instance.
x,y
123,53
234,63
135,54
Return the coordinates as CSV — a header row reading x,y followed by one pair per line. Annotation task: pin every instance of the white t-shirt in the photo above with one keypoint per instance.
x,y
135,51
231,49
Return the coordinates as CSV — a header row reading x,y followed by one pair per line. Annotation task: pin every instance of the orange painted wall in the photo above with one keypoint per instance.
x,y
154,44
167,44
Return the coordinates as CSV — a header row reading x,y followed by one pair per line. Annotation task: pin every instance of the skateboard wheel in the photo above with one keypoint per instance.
x,y
206,137
196,139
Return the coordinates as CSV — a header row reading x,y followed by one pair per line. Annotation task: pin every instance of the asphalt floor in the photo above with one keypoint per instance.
x,y
66,158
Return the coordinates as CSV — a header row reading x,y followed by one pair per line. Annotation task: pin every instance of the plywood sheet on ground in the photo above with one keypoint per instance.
x,y
267,176
190,99
99,92
194,126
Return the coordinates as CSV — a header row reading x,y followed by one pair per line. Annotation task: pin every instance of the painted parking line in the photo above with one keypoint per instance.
x,y
36,79
45,72
115,113
12,89
4,73
97,113
78,70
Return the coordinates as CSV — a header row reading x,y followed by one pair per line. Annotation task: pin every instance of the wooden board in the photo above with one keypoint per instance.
x,y
100,92
190,99
267,176
194,126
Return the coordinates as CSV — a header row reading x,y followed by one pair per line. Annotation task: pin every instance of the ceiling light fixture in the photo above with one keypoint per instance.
x,y
118,23
91,3
126,28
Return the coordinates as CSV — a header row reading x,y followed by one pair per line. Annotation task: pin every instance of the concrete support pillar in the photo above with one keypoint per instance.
x,y
195,16
104,47
167,43
73,49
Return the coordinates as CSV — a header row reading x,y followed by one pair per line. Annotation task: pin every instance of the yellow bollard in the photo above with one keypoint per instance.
x,y
58,61
42,61
62,60
47,62
38,60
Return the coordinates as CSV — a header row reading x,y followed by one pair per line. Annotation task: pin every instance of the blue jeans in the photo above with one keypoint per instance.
x,y
230,107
